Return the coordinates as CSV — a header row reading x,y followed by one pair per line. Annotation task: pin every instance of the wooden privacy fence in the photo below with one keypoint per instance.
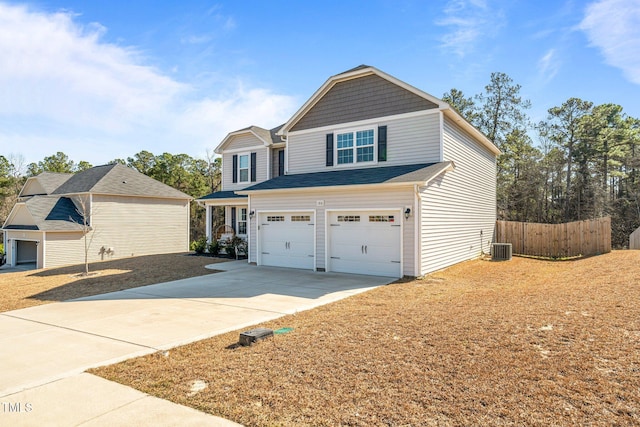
x,y
591,237
634,239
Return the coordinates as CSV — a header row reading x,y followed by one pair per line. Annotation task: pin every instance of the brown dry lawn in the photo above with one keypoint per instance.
x,y
525,342
28,288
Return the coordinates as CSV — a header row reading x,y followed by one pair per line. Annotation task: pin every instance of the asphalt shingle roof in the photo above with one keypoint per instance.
x,y
421,172
120,180
51,213
222,195
51,180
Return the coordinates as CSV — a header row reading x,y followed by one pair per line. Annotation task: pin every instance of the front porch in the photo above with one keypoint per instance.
x,y
227,215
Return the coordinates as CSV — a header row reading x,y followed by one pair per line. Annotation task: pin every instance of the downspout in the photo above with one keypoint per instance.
x,y
249,228
418,231
44,250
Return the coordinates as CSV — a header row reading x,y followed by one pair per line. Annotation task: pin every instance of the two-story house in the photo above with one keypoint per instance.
x,y
369,176
120,211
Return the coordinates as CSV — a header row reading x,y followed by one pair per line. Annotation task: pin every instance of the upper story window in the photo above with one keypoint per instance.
x,y
358,146
364,145
361,151
243,168
345,148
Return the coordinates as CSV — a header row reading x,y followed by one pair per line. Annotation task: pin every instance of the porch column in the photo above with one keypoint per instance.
x,y
208,226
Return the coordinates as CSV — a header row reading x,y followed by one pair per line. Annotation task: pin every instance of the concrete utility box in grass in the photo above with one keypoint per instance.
x,y
254,335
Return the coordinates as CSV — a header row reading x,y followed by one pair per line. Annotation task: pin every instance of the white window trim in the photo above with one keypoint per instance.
x,y
248,154
355,162
239,219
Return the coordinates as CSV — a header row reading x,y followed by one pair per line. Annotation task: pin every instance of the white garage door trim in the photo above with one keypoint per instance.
x,y
288,213
399,222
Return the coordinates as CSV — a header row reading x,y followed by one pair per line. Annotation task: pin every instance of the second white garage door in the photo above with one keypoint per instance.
x,y
286,239
365,242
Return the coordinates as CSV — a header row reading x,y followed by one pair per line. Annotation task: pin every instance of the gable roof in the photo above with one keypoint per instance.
x,y
266,136
412,99
339,94
49,213
420,173
48,181
119,180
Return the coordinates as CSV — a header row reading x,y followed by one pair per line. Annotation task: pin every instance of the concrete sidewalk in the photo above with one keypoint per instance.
x,y
46,348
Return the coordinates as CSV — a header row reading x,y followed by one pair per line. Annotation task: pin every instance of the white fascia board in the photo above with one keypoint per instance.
x,y
13,211
366,122
450,166
220,148
246,150
348,76
330,188
223,202
469,128
33,178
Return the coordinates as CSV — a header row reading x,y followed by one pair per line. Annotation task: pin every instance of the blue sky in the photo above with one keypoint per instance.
x,y
106,79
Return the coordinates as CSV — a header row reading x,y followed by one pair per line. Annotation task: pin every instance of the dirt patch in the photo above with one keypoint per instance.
x,y
35,287
524,342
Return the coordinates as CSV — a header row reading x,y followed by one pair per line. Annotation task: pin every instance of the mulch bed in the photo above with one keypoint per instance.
x,y
524,342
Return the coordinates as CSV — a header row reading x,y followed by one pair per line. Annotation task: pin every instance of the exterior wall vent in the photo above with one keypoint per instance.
x,y
501,251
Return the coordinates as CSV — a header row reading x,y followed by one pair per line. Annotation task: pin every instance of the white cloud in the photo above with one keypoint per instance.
x,y
548,65
65,89
614,27
468,21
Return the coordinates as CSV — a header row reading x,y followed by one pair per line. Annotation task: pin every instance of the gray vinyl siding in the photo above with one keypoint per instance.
x,y
261,168
460,204
410,140
360,99
68,248
395,198
274,162
244,141
131,226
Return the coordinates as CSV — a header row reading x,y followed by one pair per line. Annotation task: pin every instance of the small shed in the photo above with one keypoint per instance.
x,y
634,239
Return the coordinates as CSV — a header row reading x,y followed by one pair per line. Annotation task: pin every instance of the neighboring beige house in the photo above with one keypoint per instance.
x,y
127,214
370,176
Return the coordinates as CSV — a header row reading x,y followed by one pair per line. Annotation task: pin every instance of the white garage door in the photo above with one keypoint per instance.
x,y
286,239
365,242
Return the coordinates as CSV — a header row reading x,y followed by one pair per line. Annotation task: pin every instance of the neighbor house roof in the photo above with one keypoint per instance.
x,y
44,183
404,174
120,180
51,213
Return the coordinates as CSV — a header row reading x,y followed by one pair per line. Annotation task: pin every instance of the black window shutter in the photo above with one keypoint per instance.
x,y
329,149
253,167
233,218
280,162
235,168
382,143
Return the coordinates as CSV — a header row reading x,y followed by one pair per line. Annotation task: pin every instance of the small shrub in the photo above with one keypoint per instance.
x,y
199,245
214,248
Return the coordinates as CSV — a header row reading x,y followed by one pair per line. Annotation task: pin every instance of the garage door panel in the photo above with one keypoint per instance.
x,y
365,242
287,239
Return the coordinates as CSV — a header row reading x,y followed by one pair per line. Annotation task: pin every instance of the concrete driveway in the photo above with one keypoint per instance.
x,y
45,349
